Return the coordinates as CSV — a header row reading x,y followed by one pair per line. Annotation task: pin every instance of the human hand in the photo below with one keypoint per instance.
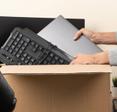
x,y
99,58
97,37
83,59
93,36
84,32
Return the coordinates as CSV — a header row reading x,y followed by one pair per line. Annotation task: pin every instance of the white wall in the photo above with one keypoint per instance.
x,y
100,15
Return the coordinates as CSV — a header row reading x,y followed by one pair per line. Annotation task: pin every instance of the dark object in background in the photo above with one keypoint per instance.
x,y
114,80
114,105
7,96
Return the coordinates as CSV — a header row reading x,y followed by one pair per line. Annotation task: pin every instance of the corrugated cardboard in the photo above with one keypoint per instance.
x,y
60,88
54,69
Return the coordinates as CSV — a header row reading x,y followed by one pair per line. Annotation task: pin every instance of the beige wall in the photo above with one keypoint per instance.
x,y
100,15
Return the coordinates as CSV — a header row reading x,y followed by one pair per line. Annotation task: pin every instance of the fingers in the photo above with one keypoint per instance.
x,y
78,34
76,60
89,34
83,59
72,62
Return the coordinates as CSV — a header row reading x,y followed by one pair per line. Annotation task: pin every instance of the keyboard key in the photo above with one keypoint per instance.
x,y
27,40
26,61
25,44
10,50
18,39
34,49
22,58
45,62
19,45
21,42
10,42
56,57
49,58
32,60
11,60
25,54
14,52
40,48
20,51
8,58
18,55
15,43
23,47
32,43
36,46
20,36
61,61
28,57
16,49
6,48
51,54
12,46
14,36
53,62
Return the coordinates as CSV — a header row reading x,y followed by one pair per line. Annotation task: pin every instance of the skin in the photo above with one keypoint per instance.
x,y
98,38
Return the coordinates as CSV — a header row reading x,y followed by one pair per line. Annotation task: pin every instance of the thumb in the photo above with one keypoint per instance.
x,y
77,35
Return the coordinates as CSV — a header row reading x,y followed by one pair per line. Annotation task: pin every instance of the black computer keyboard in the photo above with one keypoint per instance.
x,y
24,47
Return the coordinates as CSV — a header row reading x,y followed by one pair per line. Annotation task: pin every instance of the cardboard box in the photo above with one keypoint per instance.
x,y
60,88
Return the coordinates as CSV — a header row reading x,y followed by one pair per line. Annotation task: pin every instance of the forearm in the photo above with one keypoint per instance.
x,y
105,37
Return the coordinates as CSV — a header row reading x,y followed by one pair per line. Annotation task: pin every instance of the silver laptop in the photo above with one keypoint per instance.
x,y
60,32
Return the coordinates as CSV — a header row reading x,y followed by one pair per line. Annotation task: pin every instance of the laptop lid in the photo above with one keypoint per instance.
x,y
60,32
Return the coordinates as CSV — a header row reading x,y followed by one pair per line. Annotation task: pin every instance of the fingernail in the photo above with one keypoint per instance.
x,y
75,38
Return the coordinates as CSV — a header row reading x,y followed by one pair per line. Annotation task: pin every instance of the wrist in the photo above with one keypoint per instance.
x,y
101,58
97,37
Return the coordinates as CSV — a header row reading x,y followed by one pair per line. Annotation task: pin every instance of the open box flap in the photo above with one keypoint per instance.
x,y
54,69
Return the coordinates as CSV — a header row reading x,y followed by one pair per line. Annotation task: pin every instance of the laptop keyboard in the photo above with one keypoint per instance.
x,y
25,47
